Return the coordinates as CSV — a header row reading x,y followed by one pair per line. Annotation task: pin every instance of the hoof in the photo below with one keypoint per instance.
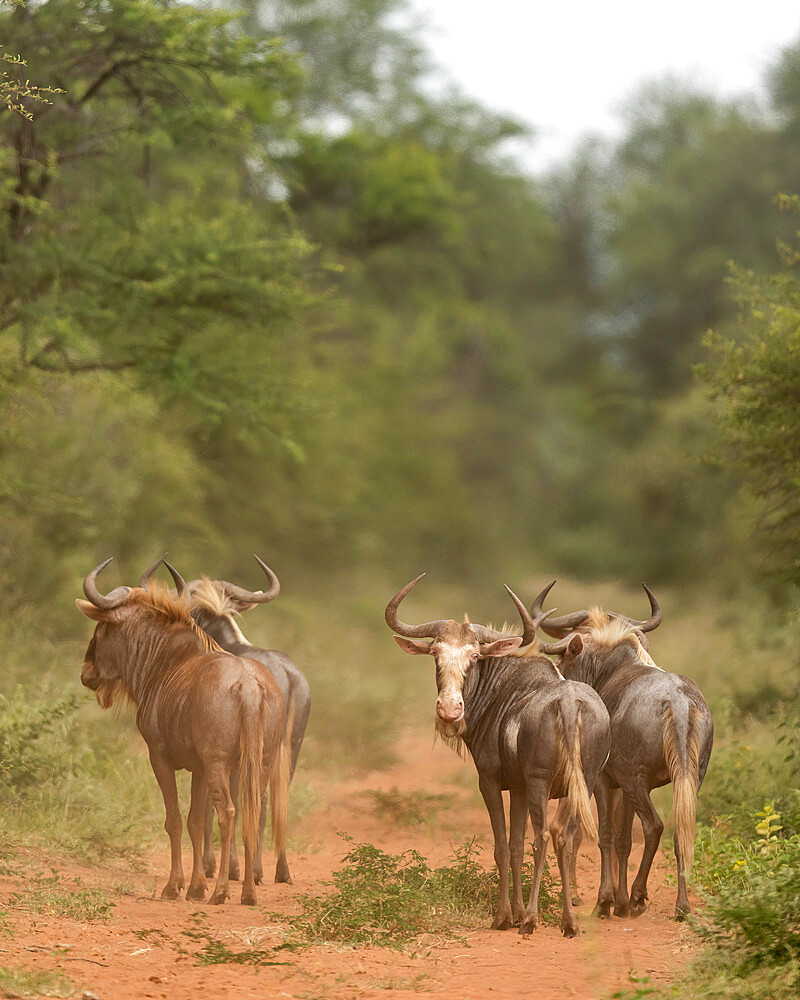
x,y
219,897
171,891
210,868
282,875
501,923
637,907
527,927
577,901
233,872
249,898
196,891
602,911
621,911
682,913
570,930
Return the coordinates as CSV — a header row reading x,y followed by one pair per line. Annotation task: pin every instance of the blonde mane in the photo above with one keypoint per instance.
x,y
610,632
159,600
209,595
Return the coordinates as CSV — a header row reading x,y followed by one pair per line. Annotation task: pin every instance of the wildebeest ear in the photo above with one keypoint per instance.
x,y
417,647
575,644
89,609
501,647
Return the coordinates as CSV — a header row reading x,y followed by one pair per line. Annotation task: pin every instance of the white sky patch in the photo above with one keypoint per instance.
x,y
567,68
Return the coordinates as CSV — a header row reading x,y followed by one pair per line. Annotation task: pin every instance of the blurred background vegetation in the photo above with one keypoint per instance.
x,y
260,290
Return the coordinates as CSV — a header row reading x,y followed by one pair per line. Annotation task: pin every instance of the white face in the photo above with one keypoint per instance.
x,y
454,654
452,663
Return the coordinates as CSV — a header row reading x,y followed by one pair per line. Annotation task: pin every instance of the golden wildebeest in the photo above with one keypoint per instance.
x,y
199,709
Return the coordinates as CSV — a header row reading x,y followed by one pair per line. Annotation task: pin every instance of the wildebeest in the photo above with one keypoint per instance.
x,y
214,603
661,732
528,730
198,708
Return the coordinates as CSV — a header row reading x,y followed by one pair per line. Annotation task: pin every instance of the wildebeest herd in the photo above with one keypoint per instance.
x,y
590,713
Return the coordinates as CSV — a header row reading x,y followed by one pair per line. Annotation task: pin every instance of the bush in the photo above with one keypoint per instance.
x,y
387,899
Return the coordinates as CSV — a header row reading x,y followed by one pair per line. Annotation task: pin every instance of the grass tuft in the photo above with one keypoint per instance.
x,y
25,984
408,809
52,895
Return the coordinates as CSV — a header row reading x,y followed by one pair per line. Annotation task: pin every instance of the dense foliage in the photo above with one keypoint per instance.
x,y
276,295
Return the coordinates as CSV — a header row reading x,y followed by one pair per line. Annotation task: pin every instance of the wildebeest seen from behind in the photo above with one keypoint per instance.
x,y
198,708
661,732
214,605
528,730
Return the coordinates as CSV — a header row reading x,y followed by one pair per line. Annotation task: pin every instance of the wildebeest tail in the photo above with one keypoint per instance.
x,y
251,754
569,739
279,783
682,754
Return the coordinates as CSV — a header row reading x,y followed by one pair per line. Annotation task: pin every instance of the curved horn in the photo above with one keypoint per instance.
x,y
530,622
559,628
105,601
180,583
656,614
144,579
426,630
254,596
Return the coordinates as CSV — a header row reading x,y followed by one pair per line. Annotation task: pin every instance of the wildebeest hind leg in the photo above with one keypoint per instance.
x,y
653,827
538,792
165,775
493,797
195,823
209,861
516,843
622,844
563,831
219,788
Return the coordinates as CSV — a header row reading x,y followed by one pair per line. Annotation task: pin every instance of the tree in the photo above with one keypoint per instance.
x,y
756,379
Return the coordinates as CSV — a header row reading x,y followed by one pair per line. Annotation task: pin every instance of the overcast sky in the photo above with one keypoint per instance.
x,y
567,67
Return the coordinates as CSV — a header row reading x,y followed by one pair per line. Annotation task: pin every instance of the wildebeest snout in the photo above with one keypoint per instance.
x,y
450,709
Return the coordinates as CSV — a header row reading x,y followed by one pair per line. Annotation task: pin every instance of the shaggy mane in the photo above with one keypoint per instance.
x,y
159,600
209,595
610,632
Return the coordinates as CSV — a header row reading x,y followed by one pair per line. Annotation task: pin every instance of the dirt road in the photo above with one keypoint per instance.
x,y
143,949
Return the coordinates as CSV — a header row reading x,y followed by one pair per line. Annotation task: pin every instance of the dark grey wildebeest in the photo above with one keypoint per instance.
x,y
528,730
661,732
214,605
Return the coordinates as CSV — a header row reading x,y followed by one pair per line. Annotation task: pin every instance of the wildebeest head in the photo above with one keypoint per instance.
x,y
102,665
455,647
564,625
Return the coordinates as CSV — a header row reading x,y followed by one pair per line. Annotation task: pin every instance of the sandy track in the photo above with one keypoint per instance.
x,y
143,950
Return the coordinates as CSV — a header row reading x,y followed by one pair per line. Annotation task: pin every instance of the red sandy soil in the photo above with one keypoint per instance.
x,y
110,960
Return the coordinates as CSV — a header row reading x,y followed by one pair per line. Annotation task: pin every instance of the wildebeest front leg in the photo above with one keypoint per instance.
x,y
563,830
233,867
219,788
493,797
538,792
605,895
165,774
195,823
516,843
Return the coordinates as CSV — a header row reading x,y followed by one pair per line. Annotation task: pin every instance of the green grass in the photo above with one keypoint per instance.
x,y
390,900
59,897
214,951
21,984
